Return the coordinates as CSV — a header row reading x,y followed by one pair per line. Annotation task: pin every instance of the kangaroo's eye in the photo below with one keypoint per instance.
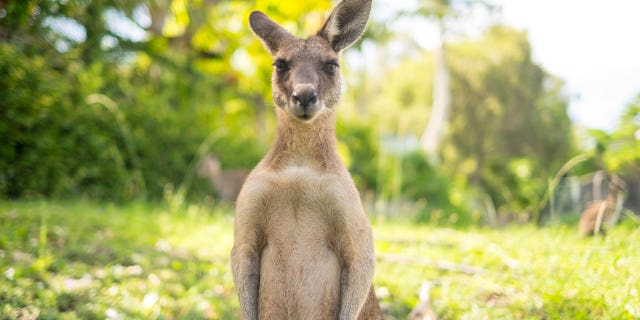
x,y
331,67
281,65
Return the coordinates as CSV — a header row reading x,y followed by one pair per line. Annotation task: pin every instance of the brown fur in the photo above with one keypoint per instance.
x,y
303,246
227,183
603,208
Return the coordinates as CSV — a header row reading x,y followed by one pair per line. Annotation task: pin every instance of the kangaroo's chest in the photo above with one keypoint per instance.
x,y
299,205
301,194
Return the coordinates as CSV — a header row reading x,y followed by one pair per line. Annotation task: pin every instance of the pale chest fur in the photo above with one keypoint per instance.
x,y
302,210
300,201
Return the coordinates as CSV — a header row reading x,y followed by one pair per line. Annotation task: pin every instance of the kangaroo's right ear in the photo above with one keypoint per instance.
x,y
272,35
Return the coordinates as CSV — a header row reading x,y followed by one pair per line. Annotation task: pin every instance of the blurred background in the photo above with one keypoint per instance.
x,y
460,111
476,131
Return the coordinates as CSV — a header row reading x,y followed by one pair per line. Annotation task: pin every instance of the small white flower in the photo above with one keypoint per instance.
x,y
633,311
113,314
113,290
10,273
134,270
149,300
163,246
154,279
118,270
382,292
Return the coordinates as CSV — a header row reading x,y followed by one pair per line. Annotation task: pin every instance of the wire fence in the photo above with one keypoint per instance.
x,y
574,193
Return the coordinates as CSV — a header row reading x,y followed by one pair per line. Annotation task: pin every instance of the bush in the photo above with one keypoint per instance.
x,y
423,183
61,138
360,141
53,145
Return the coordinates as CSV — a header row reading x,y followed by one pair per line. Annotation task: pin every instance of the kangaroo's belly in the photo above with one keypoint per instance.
x,y
300,272
299,283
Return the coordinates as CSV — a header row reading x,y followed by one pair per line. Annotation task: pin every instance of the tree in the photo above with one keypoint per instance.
x,y
443,12
622,155
510,126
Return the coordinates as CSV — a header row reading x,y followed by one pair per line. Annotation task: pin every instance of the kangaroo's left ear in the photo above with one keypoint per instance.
x,y
346,23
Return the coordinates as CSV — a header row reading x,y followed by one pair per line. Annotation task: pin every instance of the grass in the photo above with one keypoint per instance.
x,y
529,273
84,260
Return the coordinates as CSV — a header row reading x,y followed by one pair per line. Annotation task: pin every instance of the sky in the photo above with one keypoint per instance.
x,y
593,45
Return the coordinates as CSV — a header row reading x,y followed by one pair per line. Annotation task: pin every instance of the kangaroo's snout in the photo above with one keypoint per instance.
x,y
305,96
305,100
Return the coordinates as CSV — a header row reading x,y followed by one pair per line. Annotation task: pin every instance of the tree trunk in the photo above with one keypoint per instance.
x,y
433,133
158,12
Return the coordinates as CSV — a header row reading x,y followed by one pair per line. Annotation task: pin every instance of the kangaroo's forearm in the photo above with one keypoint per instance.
x,y
355,288
246,275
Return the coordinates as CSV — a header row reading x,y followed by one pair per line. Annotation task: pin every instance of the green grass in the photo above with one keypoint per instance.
x,y
529,273
83,260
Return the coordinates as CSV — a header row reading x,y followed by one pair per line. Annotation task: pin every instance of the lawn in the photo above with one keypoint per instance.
x,y
85,260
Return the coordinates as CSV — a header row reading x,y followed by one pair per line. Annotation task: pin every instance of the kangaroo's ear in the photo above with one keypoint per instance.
x,y
271,34
346,23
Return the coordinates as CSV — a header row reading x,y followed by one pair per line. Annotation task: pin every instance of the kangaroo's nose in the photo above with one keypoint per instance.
x,y
305,95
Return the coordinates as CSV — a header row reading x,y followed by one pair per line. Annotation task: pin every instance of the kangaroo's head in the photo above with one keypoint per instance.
x,y
306,76
617,184
209,166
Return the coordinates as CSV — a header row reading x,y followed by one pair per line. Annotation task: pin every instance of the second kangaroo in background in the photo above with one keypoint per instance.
x,y
227,183
600,212
303,246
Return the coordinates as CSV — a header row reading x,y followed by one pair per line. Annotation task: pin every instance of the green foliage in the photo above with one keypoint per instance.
x,y
510,130
50,147
362,147
618,151
622,154
150,261
91,110
422,179
433,191
398,101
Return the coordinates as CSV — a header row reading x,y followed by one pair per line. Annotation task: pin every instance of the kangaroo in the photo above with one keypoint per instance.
x,y
227,183
303,246
607,210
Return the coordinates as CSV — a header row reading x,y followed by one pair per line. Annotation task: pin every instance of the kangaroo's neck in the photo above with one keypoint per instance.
x,y
216,179
612,197
301,143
